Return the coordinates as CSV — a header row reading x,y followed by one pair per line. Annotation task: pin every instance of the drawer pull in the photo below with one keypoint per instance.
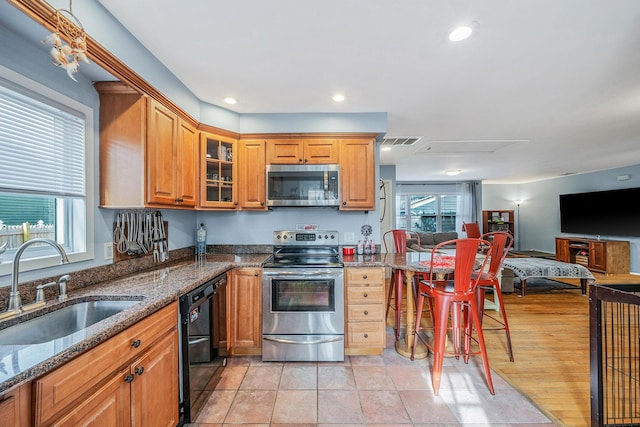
x,y
135,344
365,295
129,378
364,276
366,312
139,370
366,335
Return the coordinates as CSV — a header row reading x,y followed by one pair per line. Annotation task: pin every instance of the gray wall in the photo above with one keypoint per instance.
x,y
540,209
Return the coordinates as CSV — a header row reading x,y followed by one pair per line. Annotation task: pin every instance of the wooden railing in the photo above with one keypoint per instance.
x,y
614,323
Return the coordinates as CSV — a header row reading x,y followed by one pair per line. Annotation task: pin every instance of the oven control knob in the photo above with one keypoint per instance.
x,y
326,237
278,236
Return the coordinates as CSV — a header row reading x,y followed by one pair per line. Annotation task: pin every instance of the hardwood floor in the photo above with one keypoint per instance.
x,y
550,336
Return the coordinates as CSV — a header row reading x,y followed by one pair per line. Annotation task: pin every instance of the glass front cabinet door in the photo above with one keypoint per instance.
x,y
218,172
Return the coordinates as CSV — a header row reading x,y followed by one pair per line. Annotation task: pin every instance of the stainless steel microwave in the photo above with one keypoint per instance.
x,y
303,185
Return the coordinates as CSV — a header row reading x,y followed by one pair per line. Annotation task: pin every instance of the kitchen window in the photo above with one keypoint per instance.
x,y
44,145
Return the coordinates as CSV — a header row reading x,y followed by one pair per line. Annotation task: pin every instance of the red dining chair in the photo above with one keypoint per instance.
x,y
453,298
472,229
397,276
488,281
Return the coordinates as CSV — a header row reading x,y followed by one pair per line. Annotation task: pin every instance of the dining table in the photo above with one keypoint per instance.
x,y
410,263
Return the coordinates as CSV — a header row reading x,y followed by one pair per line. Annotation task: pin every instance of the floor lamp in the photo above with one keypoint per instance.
x,y
517,228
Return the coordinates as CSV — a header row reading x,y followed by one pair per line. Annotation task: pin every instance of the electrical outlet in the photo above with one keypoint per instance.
x,y
349,237
108,251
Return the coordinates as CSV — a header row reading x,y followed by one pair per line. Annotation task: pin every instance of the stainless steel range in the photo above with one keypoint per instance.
x,y
303,298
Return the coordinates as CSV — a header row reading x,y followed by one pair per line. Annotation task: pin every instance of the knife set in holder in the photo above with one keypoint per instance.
x,y
140,232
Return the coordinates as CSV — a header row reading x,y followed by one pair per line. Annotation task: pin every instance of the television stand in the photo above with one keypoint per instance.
x,y
602,256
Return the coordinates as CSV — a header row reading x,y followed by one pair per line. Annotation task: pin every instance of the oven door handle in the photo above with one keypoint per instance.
x,y
197,340
319,273
319,341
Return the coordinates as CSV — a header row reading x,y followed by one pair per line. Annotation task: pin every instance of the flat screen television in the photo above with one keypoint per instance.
x,y
606,213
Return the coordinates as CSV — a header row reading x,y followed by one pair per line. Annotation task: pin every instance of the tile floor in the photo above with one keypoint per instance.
x,y
363,390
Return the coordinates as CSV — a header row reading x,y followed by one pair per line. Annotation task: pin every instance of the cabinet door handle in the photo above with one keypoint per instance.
x,y
256,274
364,276
129,378
365,295
139,370
366,312
135,344
366,335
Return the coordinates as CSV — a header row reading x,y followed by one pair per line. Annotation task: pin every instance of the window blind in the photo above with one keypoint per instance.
x,y
42,147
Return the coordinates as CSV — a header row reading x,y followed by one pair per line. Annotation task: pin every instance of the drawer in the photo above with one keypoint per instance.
x,y
364,294
60,388
365,334
365,312
365,275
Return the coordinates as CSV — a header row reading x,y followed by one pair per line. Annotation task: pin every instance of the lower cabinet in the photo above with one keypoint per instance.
x,y
364,311
129,380
244,333
15,407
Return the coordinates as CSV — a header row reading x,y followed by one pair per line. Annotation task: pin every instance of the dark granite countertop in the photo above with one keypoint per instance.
x,y
155,288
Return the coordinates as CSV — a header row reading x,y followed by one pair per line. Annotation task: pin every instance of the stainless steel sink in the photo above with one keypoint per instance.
x,y
63,322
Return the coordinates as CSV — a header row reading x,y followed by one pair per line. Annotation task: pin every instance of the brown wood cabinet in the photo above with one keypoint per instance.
x,y
245,311
302,150
218,172
357,174
498,220
147,153
602,256
251,167
130,379
364,311
15,407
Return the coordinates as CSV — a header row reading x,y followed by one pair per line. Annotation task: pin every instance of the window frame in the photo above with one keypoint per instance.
x,y
41,260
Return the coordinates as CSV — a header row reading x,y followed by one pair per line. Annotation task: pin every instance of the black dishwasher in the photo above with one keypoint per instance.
x,y
196,338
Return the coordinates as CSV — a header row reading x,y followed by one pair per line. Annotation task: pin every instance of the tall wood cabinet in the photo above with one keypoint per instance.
x,y
498,220
357,174
603,256
245,312
147,152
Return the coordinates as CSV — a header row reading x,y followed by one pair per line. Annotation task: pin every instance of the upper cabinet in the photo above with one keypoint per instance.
x,y
147,153
251,172
302,150
357,174
218,172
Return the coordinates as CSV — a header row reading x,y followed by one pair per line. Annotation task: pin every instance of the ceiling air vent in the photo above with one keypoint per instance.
x,y
404,141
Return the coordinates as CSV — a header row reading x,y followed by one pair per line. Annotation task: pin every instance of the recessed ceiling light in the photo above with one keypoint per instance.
x,y
230,100
460,33
453,172
338,97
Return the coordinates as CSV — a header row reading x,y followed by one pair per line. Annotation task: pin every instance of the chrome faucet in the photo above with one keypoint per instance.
x,y
15,302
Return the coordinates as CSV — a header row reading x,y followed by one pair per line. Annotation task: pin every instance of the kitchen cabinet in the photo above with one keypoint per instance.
x,y
15,406
364,310
302,150
220,319
357,174
172,146
602,256
218,172
245,312
251,167
130,379
148,154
